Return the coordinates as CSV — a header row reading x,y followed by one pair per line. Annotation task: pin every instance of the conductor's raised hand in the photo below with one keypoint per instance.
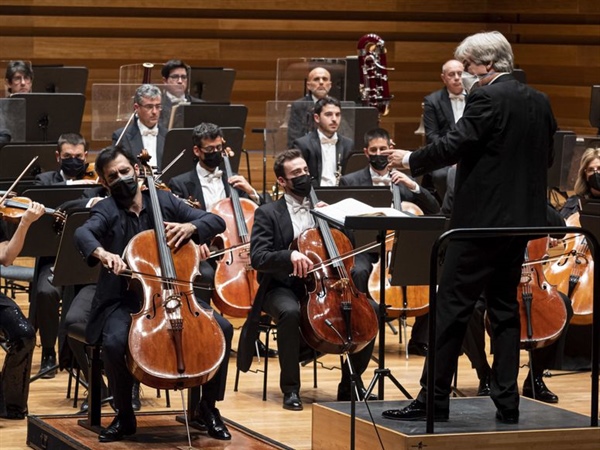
x,y
395,158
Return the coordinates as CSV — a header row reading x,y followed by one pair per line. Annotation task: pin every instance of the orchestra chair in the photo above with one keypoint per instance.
x,y
11,278
267,326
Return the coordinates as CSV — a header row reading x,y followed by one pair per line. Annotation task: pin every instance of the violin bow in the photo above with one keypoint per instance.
x,y
18,179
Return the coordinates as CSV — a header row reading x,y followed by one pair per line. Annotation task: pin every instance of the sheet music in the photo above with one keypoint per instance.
x,y
337,212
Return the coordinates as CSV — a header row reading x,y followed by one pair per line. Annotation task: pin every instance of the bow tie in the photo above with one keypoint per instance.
x,y
330,141
216,175
459,97
377,179
153,132
304,206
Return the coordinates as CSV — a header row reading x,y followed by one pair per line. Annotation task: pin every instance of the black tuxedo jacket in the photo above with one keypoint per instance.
x,y
503,145
106,228
424,199
310,145
438,117
133,143
188,185
51,178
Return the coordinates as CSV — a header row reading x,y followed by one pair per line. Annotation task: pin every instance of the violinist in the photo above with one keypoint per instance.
x,y
18,78
324,149
44,312
112,224
145,132
205,183
503,145
16,329
281,276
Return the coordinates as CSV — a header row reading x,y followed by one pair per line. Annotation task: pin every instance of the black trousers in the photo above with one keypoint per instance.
x,y
114,348
46,307
491,266
20,338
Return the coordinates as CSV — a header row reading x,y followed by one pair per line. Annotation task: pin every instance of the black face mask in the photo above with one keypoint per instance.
x,y
73,167
594,181
301,185
123,190
212,160
378,162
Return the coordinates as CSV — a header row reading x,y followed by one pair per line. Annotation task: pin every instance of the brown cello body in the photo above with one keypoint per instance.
x,y
574,275
173,342
335,316
401,301
541,308
235,279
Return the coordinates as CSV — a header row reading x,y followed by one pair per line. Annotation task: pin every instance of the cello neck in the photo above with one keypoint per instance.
x,y
235,202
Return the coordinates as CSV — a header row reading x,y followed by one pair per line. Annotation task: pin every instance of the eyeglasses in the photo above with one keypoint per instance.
x,y
591,170
178,77
212,148
21,79
150,106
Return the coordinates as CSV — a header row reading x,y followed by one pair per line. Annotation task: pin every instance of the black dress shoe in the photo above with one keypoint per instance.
x,y
484,389
415,411
542,393
292,402
210,418
262,350
417,348
48,366
118,429
510,416
13,413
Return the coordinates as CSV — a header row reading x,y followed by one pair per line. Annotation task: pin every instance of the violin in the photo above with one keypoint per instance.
x,y
335,316
173,342
235,279
401,301
542,310
574,274
90,173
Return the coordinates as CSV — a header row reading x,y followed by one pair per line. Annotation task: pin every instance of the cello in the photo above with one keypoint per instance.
x,y
574,274
335,316
235,279
173,342
401,301
542,310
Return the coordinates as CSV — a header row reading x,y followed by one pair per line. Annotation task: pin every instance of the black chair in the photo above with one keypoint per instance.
x,y
12,277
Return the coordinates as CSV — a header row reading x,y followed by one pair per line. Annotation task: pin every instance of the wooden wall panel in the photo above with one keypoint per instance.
x,y
557,43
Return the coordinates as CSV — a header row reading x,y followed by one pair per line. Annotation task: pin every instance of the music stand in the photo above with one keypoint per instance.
x,y
41,239
212,84
15,158
181,138
188,116
60,79
54,196
356,161
50,115
595,107
66,273
366,118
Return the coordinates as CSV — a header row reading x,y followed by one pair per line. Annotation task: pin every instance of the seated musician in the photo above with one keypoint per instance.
x,y
112,224
18,332
71,154
145,131
281,273
318,85
18,78
175,76
324,149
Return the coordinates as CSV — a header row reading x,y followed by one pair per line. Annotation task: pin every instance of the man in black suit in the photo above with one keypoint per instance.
x,y
280,274
44,311
441,110
318,85
112,224
16,329
175,75
145,131
324,150
503,146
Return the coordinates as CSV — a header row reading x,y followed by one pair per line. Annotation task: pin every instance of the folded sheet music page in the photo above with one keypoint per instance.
x,y
351,207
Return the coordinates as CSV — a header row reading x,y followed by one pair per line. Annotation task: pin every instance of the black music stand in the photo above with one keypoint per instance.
x,y
66,273
54,196
211,84
595,107
42,238
48,116
366,118
223,115
15,158
60,79
179,139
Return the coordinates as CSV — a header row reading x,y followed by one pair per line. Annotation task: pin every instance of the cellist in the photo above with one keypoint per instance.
x,y
112,224
281,276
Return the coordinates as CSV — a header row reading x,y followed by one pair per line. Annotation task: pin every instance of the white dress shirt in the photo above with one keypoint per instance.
x,y
213,189
328,159
300,214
